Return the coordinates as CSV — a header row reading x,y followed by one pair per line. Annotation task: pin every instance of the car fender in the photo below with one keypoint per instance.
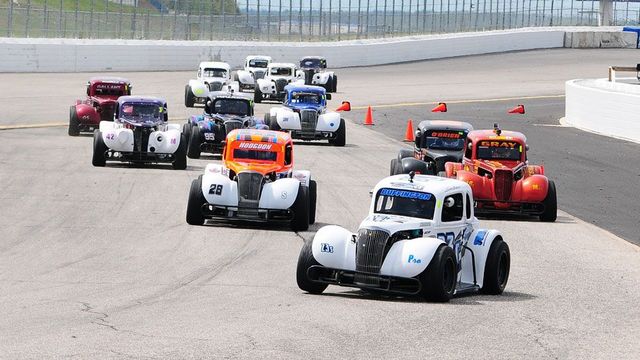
x,y
274,110
266,86
117,139
198,88
174,127
164,142
245,77
328,122
479,242
409,258
218,189
452,169
106,125
531,189
87,114
298,81
303,176
279,194
333,247
321,78
287,119
481,186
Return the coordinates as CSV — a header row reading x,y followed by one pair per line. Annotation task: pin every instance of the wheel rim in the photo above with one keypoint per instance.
x,y
503,270
448,276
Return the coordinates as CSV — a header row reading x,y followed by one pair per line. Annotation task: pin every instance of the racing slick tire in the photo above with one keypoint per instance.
x,y
180,156
272,122
550,203
496,270
341,135
334,84
74,123
305,261
439,278
300,208
393,167
313,198
186,130
194,150
195,202
189,99
257,95
99,150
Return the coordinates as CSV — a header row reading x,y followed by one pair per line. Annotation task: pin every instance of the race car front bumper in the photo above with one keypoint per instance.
x,y
349,278
492,207
236,213
139,157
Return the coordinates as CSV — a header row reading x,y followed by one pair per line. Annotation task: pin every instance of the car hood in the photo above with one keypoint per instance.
x,y
318,108
454,154
498,165
262,168
394,223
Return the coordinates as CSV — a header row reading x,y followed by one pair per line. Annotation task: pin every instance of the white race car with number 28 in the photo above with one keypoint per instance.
x,y
420,238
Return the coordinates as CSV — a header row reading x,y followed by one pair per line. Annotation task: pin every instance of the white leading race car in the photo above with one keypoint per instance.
x,y
420,238
278,75
212,76
140,133
255,67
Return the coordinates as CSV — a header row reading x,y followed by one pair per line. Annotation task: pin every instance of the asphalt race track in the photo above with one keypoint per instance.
x,y
100,263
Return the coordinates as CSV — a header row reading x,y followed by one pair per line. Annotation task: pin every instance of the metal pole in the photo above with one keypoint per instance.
x,y
359,19
393,16
401,16
349,18
279,20
330,28
320,21
258,25
551,19
424,16
26,23
368,12
269,22
133,22
75,26
290,16
409,17
91,19
339,19
175,19
310,19
300,20
120,22
46,20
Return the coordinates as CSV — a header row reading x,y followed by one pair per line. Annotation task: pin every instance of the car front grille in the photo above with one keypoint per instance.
x,y
258,74
232,125
308,76
370,252
215,86
280,84
308,121
249,189
503,183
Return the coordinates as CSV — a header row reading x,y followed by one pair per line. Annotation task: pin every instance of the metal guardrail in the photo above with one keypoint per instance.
x,y
291,20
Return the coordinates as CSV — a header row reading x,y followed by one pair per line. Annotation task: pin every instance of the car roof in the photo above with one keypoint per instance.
x,y
313,57
256,135
142,99
274,64
476,135
109,79
258,57
215,64
435,185
309,88
444,125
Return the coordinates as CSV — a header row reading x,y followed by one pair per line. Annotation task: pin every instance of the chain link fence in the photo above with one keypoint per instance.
x,y
290,20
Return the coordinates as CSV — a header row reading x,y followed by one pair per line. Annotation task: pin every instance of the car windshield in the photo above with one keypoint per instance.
x,y
499,150
306,98
405,203
284,71
258,63
246,154
445,140
106,89
311,63
146,111
213,72
231,106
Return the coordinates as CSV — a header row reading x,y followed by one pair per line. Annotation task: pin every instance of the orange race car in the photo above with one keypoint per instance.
x,y
255,182
495,166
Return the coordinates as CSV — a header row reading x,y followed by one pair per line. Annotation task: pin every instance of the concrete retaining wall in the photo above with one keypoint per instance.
x,y
611,109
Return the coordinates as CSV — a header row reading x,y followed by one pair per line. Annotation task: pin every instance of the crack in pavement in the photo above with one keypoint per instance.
x,y
101,320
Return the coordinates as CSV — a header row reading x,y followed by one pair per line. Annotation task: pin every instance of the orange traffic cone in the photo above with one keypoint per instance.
x,y
408,135
517,110
346,106
442,107
368,119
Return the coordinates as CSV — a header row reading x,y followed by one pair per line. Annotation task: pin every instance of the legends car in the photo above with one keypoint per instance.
x,y
495,165
420,238
271,87
212,76
140,133
304,114
315,73
100,104
222,114
256,182
255,67
436,143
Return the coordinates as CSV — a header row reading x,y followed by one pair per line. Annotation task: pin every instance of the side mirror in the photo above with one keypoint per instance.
x,y
346,106
328,96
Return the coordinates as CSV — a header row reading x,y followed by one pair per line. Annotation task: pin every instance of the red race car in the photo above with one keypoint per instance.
x,y
495,166
100,104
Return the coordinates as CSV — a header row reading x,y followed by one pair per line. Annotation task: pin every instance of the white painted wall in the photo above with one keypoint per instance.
x,y
611,109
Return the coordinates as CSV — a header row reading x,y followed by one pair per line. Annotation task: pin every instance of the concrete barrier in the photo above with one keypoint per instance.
x,y
603,107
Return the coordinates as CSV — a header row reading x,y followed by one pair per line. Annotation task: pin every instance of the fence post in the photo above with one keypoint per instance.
x,y
310,19
300,20
91,19
359,31
133,22
26,23
339,19
290,18
349,19
367,22
330,29
280,20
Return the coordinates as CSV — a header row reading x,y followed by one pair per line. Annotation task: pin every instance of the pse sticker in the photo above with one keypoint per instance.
x,y
326,248
215,189
413,260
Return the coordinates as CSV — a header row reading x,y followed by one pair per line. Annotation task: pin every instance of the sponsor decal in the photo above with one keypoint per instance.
x,y
535,187
413,260
407,185
326,248
447,135
283,195
405,194
480,237
255,146
504,144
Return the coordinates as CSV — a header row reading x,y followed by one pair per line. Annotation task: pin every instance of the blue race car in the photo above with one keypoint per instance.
x,y
304,114
222,113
